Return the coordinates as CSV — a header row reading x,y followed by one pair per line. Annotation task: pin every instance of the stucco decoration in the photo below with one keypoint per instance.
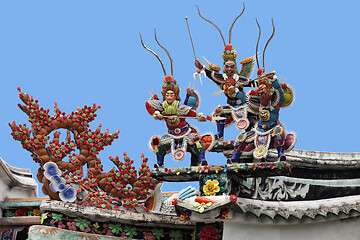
x,y
276,189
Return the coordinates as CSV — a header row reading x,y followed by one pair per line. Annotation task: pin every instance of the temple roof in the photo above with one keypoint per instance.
x,y
16,182
317,210
321,159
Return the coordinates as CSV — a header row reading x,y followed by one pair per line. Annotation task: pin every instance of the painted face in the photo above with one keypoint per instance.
x,y
263,89
229,68
170,97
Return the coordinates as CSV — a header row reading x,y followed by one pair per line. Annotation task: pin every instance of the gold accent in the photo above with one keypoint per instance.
x,y
186,109
247,60
260,151
159,106
230,56
281,130
244,137
173,121
264,115
214,67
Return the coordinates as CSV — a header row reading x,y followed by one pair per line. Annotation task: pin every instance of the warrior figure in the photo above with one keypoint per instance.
x,y
266,101
236,109
181,137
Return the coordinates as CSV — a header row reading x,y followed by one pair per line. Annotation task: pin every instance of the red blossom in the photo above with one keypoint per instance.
x,y
233,198
20,212
209,233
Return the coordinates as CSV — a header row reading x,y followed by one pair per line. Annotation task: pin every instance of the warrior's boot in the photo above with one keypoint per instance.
x,y
235,157
281,155
220,131
240,145
160,161
202,160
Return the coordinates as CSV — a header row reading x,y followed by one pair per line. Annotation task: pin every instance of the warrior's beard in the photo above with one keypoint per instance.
x,y
265,98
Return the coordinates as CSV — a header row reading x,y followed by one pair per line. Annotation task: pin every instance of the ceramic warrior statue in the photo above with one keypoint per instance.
x,y
236,110
265,102
181,136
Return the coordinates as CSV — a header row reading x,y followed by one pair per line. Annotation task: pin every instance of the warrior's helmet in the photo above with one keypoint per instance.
x,y
170,84
229,54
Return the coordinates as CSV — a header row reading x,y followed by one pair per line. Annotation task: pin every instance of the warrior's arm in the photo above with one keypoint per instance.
x,y
191,113
152,109
276,85
241,96
234,92
253,102
216,77
184,110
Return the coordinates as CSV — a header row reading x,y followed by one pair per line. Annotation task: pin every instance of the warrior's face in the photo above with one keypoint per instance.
x,y
265,95
170,97
263,89
229,68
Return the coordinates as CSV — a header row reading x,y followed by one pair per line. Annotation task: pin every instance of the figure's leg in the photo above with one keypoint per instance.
x,y
281,154
160,161
279,141
202,159
160,155
199,149
220,125
194,158
240,145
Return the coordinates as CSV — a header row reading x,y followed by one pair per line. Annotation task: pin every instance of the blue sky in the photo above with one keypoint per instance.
x,y
80,52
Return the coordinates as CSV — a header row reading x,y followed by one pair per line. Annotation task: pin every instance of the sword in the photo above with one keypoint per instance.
x,y
198,72
209,118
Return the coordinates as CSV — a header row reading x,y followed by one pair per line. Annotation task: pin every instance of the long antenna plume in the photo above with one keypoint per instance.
x,y
257,44
234,22
162,64
272,35
212,24
171,61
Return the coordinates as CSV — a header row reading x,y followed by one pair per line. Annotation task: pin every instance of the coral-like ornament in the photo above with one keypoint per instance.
x,y
61,170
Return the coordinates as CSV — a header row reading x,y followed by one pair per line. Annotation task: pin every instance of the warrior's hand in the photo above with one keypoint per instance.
x,y
202,118
218,110
270,75
198,64
159,116
231,91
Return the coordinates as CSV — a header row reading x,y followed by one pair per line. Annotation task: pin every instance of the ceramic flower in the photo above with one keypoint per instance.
x,y
233,198
211,187
202,206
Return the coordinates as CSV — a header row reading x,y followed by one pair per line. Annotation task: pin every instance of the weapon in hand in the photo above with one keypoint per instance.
x,y
192,44
209,118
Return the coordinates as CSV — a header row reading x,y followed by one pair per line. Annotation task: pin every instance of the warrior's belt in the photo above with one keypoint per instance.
x,y
234,102
267,127
177,131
